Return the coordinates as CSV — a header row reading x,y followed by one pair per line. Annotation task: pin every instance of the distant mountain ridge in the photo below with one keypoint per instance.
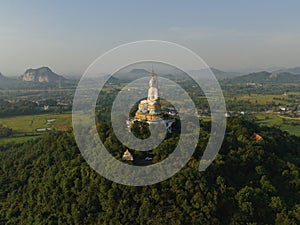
x,y
219,74
138,73
222,74
2,76
4,80
264,77
42,75
294,70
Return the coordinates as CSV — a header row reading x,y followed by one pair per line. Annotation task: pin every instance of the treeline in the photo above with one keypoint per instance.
x,y
5,131
26,107
23,107
47,181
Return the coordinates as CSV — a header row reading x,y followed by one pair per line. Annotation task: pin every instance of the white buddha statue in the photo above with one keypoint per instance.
x,y
153,88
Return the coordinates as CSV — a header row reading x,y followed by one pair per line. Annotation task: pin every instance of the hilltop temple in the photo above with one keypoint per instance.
x,y
150,109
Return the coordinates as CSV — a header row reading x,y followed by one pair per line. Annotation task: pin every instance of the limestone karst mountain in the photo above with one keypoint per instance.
x,y
42,75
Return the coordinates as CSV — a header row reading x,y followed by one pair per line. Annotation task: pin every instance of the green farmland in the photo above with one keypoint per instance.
x,y
25,127
291,125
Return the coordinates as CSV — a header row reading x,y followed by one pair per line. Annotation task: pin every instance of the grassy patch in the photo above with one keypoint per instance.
x,y
264,99
28,125
290,125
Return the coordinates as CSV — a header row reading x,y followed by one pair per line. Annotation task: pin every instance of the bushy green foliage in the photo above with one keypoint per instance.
x,y
17,108
47,181
5,131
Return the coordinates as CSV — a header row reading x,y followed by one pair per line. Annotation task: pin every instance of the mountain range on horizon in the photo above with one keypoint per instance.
x,y
42,75
293,70
217,71
221,74
265,77
45,75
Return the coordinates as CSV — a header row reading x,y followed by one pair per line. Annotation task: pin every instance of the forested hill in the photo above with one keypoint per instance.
x,y
47,182
266,78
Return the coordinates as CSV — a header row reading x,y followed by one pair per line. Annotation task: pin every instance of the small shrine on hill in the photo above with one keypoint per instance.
x,y
127,156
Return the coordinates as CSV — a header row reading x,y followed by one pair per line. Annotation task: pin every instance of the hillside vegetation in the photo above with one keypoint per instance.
x,y
46,181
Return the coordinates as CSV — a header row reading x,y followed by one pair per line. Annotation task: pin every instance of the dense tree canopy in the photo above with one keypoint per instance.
x,y
47,181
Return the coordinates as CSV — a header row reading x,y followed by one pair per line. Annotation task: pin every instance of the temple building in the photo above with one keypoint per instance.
x,y
150,109
127,156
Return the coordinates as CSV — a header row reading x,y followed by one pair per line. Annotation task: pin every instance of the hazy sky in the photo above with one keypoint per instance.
x,y
68,35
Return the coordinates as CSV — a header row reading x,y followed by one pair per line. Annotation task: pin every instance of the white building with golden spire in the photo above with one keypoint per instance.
x,y
150,109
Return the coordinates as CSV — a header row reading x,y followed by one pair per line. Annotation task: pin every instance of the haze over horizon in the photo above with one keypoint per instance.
x,y
67,36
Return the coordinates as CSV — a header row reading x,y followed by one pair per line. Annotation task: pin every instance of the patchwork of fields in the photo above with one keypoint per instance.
x,y
291,125
27,127
31,126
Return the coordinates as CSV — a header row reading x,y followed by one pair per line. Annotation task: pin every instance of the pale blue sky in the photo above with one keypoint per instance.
x,y
68,35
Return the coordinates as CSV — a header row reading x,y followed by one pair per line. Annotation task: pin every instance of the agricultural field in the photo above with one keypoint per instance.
x,y
289,97
265,99
291,125
31,126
